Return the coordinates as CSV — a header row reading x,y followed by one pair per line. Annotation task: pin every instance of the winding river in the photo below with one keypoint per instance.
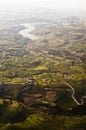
x,y
29,27
27,31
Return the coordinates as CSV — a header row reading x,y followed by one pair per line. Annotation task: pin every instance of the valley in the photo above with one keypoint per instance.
x,y
43,76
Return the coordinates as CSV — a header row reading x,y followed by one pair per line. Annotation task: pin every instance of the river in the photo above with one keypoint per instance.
x,y
29,27
27,31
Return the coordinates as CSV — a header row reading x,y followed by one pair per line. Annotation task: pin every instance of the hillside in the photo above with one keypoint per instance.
x,y
43,81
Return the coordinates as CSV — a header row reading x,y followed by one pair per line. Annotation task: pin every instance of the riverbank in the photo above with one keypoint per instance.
x,y
27,31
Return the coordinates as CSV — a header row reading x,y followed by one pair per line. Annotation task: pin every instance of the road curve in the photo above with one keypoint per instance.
x,y
73,95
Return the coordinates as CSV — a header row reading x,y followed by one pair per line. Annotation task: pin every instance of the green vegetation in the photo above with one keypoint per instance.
x,y
36,76
45,122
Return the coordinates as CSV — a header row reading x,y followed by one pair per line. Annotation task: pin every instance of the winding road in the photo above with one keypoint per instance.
x,y
70,86
73,95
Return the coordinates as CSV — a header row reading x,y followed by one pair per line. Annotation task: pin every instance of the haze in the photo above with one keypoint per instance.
x,y
53,4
